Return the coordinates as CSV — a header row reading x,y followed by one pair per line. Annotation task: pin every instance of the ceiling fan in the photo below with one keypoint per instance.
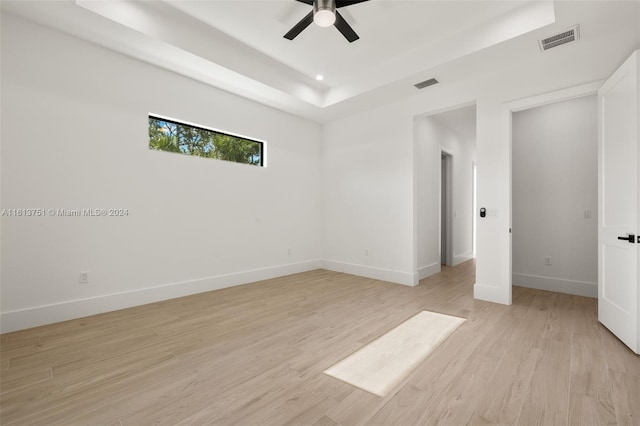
x,y
324,14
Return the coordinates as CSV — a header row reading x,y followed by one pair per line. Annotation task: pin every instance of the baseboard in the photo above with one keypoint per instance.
x,y
578,288
461,258
398,277
491,293
427,271
41,315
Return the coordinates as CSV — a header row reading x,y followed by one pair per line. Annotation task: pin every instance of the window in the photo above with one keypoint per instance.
x,y
173,136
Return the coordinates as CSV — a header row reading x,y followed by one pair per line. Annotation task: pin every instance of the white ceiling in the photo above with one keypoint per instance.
x,y
238,45
387,29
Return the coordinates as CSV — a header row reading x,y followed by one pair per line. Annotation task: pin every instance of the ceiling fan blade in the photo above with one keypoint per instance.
x,y
309,2
343,3
299,27
345,28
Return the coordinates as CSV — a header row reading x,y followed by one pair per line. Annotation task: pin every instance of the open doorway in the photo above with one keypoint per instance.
x,y
445,151
555,197
446,216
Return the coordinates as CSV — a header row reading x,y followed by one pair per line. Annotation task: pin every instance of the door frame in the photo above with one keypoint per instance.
x,y
434,268
528,103
474,206
447,156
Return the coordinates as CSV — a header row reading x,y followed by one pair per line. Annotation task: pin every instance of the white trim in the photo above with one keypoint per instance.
x,y
556,96
490,293
427,271
460,258
578,288
449,108
398,277
72,309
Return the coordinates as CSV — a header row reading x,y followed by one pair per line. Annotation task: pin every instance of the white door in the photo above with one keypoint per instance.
x,y
618,163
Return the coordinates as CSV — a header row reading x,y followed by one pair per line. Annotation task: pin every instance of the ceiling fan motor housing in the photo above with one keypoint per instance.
x,y
324,12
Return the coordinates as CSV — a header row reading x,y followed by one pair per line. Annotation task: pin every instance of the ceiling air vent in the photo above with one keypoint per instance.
x,y
572,34
426,83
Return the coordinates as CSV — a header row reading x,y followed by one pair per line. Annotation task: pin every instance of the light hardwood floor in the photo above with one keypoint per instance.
x,y
255,354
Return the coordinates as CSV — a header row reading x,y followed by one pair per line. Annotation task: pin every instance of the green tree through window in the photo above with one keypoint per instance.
x,y
171,136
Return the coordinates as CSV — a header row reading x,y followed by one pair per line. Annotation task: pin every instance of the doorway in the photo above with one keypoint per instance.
x,y
446,217
555,197
445,150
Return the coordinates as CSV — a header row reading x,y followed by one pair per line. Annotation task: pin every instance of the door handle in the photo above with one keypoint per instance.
x,y
631,238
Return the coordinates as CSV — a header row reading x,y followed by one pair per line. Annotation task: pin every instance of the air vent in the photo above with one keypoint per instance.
x,y
426,83
572,34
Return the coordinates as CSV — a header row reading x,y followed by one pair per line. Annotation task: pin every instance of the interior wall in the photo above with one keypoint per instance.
x,y
431,137
367,189
555,197
75,136
384,213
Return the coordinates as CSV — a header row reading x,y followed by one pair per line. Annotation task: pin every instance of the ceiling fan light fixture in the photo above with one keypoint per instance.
x,y
324,13
324,18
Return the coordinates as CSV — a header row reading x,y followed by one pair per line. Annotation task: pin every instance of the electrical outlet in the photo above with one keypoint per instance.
x,y
84,277
289,251
587,214
366,252
547,260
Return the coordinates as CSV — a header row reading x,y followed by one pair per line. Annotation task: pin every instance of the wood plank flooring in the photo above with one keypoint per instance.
x,y
254,354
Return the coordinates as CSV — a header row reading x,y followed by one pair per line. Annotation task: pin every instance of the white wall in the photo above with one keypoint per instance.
x,y
431,137
75,135
378,208
368,191
555,174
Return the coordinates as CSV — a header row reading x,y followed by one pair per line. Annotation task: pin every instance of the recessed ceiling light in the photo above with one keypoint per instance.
x,y
319,77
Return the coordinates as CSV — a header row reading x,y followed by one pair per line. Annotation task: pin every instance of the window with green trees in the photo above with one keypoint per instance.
x,y
172,136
